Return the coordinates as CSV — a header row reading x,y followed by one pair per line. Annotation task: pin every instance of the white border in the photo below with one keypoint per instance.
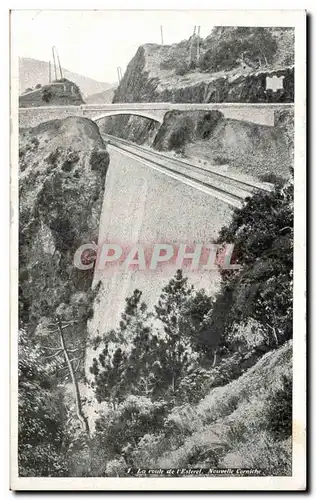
x,y
297,481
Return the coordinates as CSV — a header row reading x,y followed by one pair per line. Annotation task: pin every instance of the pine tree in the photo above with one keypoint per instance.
x,y
109,372
127,363
144,371
174,347
262,232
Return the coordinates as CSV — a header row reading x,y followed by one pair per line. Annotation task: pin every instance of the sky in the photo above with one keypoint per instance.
x,y
94,43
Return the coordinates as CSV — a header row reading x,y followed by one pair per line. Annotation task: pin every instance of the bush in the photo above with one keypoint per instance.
x,y
261,452
148,451
208,123
182,422
195,386
47,95
53,157
220,160
99,161
180,135
116,468
256,46
120,431
272,178
38,86
182,69
279,412
72,157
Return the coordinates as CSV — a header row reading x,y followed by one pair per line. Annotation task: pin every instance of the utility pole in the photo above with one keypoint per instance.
x,y
191,45
54,60
54,51
121,76
161,34
198,45
60,70
118,74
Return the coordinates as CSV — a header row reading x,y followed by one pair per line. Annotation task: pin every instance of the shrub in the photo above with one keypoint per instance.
x,y
208,123
180,135
149,449
272,178
53,157
72,157
47,95
195,385
220,160
260,451
279,412
121,430
116,467
99,161
182,69
182,422
34,143
38,86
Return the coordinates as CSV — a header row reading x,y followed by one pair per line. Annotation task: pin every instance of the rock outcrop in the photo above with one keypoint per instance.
x,y
59,93
232,66
132,128
63,165
239,145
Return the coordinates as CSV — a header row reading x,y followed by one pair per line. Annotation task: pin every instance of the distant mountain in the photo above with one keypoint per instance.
x,y
101,97
33,71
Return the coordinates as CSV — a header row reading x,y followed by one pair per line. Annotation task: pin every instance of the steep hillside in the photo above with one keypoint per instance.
x,y
33,71
231,144
132,128
230,65
229,428
106,96
63,164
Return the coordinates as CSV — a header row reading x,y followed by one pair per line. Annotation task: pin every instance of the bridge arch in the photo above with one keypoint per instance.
x,y
106,114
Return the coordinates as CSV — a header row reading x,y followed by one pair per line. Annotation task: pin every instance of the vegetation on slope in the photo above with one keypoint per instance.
x,y
63,164
60,92
240,145
229,65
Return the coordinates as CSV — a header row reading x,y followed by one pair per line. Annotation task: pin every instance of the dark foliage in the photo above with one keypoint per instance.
x,y
279,412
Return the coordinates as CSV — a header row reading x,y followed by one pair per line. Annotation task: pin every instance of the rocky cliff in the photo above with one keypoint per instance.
x,y
237,145
132,128
230,65
63,165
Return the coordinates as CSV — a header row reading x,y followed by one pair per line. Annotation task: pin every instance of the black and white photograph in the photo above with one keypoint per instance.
x,y
157,326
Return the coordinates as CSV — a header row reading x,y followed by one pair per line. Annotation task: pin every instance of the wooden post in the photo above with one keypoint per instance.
x,y
60,70
55,69
161,34
191,46
198,45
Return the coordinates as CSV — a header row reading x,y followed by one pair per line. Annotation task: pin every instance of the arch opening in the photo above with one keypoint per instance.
x,y
141,114
133,127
